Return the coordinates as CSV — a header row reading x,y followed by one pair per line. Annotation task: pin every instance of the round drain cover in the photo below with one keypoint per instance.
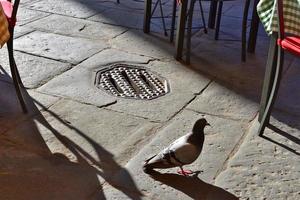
x,y
131,81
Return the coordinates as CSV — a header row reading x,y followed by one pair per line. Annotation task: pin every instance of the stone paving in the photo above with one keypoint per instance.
x,y
78,142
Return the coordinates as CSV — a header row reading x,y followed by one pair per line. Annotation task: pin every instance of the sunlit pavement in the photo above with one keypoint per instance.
x,y
77,142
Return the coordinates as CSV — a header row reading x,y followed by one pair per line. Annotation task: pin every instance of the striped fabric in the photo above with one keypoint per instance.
x,y
4,33
266,10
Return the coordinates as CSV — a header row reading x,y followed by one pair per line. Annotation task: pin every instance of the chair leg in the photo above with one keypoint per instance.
x,y
14,72
147,16
202,16
244,30
274,91
189,32
220,6
173,21
269,75
180,31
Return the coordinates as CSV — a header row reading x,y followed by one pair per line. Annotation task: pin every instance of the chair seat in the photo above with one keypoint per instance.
x,y
8,8
291,44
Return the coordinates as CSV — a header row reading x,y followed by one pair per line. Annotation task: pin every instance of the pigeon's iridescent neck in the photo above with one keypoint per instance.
x,y
197,137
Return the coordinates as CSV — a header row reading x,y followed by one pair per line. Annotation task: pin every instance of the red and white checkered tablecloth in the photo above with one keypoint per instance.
x,y
4,33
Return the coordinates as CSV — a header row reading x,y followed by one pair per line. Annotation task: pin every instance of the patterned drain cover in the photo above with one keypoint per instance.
x,y
130,81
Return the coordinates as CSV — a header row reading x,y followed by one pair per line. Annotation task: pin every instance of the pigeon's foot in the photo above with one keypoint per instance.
x,y
185,172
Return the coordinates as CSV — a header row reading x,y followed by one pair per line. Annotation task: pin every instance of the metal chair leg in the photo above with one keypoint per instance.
x,y
14,72
220,6
202,16
273,93
244,30
147,16
163,18
189,32
180,30
269,75
173,21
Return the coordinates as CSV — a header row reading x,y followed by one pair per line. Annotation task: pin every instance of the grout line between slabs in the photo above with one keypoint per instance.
x,y
234,150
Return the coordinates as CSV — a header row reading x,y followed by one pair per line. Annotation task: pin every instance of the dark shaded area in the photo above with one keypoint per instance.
x,y
29,170
193,186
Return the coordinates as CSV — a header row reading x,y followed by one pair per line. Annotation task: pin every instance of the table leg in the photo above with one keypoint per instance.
x,y
253,29
212,14
180,30
269,75
147,16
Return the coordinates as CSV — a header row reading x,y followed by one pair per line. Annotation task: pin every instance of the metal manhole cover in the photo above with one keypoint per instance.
x,y
131,81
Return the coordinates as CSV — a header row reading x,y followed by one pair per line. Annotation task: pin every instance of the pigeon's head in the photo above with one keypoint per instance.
x,y
200,124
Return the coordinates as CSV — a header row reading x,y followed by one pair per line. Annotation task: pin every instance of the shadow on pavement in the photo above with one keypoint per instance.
x,y
285,135
28,168
193,186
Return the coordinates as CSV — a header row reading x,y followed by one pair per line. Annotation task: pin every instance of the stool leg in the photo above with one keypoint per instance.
x,y
173,21
189,32
202,16
220,6
274,91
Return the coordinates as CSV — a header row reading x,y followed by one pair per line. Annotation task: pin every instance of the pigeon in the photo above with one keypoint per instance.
x,y
183,151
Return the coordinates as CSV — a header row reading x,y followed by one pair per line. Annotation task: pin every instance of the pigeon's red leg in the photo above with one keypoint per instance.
x,y
184,172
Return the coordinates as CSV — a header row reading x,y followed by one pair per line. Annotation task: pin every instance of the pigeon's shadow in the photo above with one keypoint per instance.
x,y
193,186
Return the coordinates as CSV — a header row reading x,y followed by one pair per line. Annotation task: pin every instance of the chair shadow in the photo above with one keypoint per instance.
x,y
283,134
57,177
193,186
107,166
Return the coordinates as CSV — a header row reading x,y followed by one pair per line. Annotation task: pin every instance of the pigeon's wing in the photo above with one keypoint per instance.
x,y
162,160
182,139
178,153
184,153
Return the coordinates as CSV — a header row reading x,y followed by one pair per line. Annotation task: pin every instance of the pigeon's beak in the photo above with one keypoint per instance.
x,y
208,124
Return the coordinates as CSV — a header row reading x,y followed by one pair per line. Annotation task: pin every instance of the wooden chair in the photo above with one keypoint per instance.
x,y
10,9
280,43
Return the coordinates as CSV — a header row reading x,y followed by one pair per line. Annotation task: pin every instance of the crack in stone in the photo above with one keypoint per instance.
x,y
219,116
134,53
40,56
137,116
190,101
235,149
82,28
117,35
